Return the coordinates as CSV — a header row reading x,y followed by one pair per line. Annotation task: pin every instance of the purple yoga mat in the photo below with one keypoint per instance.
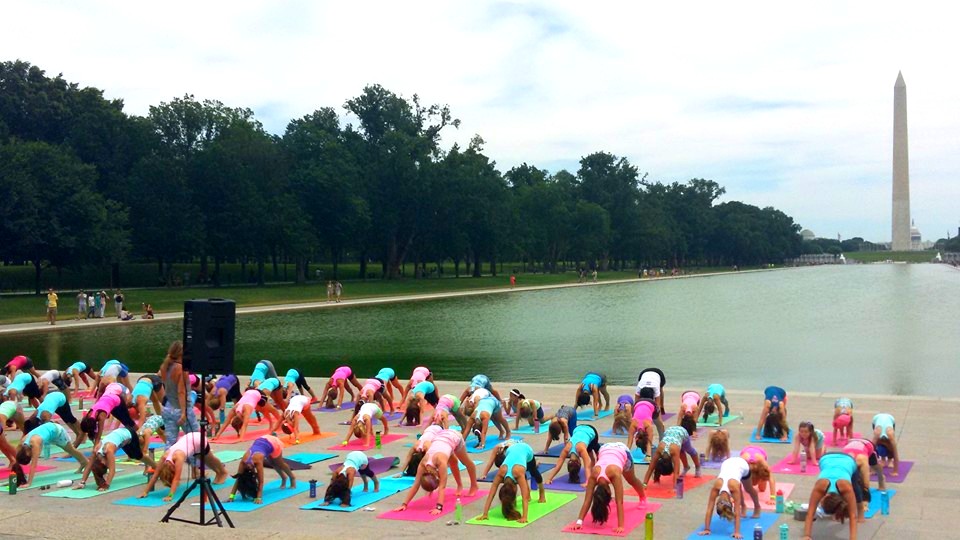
x,y
905,467
377,465
562,482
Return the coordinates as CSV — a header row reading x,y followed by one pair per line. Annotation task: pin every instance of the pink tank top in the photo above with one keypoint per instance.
x,y
859,447
690,401
106,403
445,442
371,386
611,454
115,389
420,374
342,373
643,410
250,398
18,362
753,453
428,435
445,403
189,444
276,444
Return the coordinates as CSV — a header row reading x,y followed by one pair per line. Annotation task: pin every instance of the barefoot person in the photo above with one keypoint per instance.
x,y
614,465
171,465
446,451
726,495
249,477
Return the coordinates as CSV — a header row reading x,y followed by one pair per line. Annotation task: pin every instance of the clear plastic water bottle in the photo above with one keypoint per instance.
x,y
536,426
648,527
64,483
458,512
679,487
885,502
757,532
803,461
784,532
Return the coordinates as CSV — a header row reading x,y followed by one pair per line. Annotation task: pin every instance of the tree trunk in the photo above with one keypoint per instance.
x,y
216,271
336,263
476,265
493,267
115,275
301,270
37,271
363,264
261,263
276,266
456,266
204,266
160,270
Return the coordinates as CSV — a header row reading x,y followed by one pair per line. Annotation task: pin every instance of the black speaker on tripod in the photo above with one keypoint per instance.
x,y
209,331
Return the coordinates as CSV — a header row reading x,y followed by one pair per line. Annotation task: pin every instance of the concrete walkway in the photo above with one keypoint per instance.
x,y
71,324
922,508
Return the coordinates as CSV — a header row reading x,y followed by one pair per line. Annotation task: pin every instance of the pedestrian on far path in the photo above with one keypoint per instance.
x,y
81,305
594,275
118,302
513,281
329,291
102,306
338,290
52,300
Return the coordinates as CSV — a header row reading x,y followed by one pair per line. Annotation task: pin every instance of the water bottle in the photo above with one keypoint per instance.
x,y
379,443
757,532
784,532
313,489
223,416
536,426
12,484
741,418
884,502
779,501
703,458
64,483
648,527
803,461
458,512
680,487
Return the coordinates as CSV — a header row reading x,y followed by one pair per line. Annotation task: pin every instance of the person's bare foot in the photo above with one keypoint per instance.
x,y
221,476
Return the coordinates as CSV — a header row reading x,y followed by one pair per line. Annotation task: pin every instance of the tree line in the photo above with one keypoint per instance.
x,y
82,183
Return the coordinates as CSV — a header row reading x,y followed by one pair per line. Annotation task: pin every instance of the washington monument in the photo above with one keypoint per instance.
x,y
901,169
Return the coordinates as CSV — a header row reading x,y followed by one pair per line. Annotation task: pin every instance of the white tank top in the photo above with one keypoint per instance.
x,y
735,468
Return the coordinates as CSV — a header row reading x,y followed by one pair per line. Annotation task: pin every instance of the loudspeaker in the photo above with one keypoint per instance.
x,y
209,331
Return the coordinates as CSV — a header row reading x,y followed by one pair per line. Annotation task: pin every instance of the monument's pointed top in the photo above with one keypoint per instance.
x,y
900,82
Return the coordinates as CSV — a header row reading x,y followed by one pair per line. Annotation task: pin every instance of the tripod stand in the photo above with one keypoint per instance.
x,y
207,492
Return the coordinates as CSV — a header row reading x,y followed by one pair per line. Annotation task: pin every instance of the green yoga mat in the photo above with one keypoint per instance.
x,y
50,478
712,420
536,510
119,482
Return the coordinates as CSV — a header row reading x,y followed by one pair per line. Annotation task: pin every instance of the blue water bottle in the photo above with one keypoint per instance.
x,y
313,489
885,502
757,532
784,532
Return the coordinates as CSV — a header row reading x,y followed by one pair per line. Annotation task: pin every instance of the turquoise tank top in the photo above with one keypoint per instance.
x,y
517,454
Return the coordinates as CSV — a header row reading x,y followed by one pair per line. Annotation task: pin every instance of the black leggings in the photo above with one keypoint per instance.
x,y
66,414
121,413
132,448
535,471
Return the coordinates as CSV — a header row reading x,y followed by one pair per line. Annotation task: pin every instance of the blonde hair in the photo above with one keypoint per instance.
x,y
621,421
718,445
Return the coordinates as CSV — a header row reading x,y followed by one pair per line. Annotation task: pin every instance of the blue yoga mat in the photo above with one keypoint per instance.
x,y
753,438
491,441
723,529
553,452
527,429
610,433
359,499
586,415
271,494
155,498
874,507
308,458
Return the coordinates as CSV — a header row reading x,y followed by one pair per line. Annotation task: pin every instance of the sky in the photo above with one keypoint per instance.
x,y
788,106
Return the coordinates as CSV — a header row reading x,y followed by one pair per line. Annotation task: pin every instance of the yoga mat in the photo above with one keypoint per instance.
x,y
347,405
784,466
712,420
121,454
527,429
456,427
610,433
391,416
119,482
554,451
359,499
535,510
5,473
562,482
708,464
874,506
667,416
232,438
52,478
905,467
664,488
587,415
357,444
307,457
491,441
639,458
542,467
723,529
419,509
155,498
377,465
271,494
765,503
828,439
633,515
304,437
753,438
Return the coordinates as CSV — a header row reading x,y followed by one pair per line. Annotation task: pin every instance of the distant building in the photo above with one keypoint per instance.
x,y
916,242
807,234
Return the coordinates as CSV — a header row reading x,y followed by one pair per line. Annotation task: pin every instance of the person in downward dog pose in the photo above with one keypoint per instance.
x,y
593,385
562,424
714,401
614,465
842,420
149,388
20,363
419,375
760,470
55,403
341,380
446,451
342,481
111,403
30,449
23,385
448,405
673,450
530,410
645,414
773,417
838,491
239,417
650,385
622,415
249,477
295,383
518,460
726,495
582,449
103,462
171,464
372,392
885,440
361,426
418,450
487,408
289,423
11,416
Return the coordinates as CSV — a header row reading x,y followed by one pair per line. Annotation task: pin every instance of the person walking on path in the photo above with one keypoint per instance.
x,y
338,290
81,305
102,305
329,291
52,299
594,275
513,281
118,302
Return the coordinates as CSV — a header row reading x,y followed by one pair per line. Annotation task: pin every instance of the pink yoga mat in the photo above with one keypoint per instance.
x,y
250,435
5,473
633,515
358,444
665,489
419,509
828,439
783,466
765,503
905,467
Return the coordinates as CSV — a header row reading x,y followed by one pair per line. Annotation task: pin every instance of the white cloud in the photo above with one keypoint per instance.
x,y
786,106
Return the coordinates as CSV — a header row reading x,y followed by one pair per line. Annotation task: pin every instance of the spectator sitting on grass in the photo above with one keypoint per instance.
x,y
147,311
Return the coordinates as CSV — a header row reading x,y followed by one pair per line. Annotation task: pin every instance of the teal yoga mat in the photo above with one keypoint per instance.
x,y
753,438
586,415
308,458
721,528
271,494
359,499
119,482
874,506
491,441
712,420
50,478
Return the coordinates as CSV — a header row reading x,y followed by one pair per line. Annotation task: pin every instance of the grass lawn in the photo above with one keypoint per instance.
x,y
29,308
879,256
